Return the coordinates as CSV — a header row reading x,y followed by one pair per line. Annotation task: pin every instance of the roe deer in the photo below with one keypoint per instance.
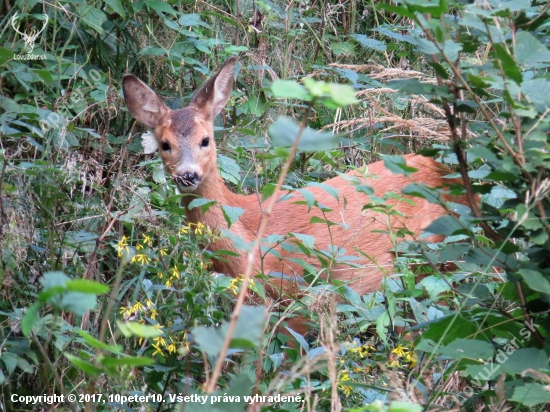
x,y
185,139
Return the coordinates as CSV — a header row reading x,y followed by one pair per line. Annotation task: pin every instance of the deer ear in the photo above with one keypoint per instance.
x,y
143,103
214,94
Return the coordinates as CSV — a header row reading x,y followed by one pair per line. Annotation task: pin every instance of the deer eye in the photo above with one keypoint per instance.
x,y
165,146
205,142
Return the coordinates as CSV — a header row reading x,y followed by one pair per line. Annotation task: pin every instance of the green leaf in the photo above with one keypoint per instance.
x,y
231,214
160,6
81,364
117,7
467,348
369,43
201,202
335,193
435,285
132,361
29,318
397,165
92,17
289,89
5,55
535,280
52,279
537,90
529,51
250,326
308,197
130,329
531,394
444,225
90,340
434,8
285,130
307,240
87,286
508,63
268,190
401,406
515,362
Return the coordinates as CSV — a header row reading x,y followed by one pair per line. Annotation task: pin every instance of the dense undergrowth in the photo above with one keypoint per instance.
x,y
108,290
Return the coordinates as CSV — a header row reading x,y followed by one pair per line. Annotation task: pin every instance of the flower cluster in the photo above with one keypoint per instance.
x,y
402,356
236,283
163,345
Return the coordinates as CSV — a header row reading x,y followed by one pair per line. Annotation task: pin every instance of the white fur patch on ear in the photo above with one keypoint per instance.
x,y
149,142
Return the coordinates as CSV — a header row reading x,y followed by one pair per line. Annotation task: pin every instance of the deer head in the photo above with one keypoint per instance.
x,y
184,137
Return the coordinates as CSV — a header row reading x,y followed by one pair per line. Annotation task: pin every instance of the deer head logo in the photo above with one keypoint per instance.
x,y
29,39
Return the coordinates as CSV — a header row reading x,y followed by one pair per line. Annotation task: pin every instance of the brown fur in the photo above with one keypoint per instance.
x,y
367,231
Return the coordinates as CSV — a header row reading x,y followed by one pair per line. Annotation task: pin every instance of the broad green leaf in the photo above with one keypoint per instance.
x,y
309,198
284,132
289,89
529,51
535,280
160,6
51,279
401,406
247,333
508,63
117,7
81,364
132,361
531,394
335,193
201,202
369,43
5,55
444,225
516,361
130,329
90,340
467,348
537,90
231,214
307,240
435,285
397,165
29,318
93,17
86,286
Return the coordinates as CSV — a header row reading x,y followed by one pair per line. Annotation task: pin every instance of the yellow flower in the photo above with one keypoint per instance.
x,y
400,350
149,303
346,389
175,272
169,283
139,247
138,307
147,240
184,230
158,350
234,286
154,314
393,362
141,258
160,341
199,227
122,246
126,312
344,377
172,348
163,252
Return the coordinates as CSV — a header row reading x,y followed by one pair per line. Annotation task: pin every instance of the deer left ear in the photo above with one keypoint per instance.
x,y
214,94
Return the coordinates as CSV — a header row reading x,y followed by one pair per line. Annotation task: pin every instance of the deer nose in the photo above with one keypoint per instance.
x,y
187,179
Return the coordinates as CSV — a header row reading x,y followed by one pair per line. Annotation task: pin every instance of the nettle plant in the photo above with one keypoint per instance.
x,y
491,63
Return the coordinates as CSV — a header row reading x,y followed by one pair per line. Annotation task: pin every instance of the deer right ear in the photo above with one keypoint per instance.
x,y
143,103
